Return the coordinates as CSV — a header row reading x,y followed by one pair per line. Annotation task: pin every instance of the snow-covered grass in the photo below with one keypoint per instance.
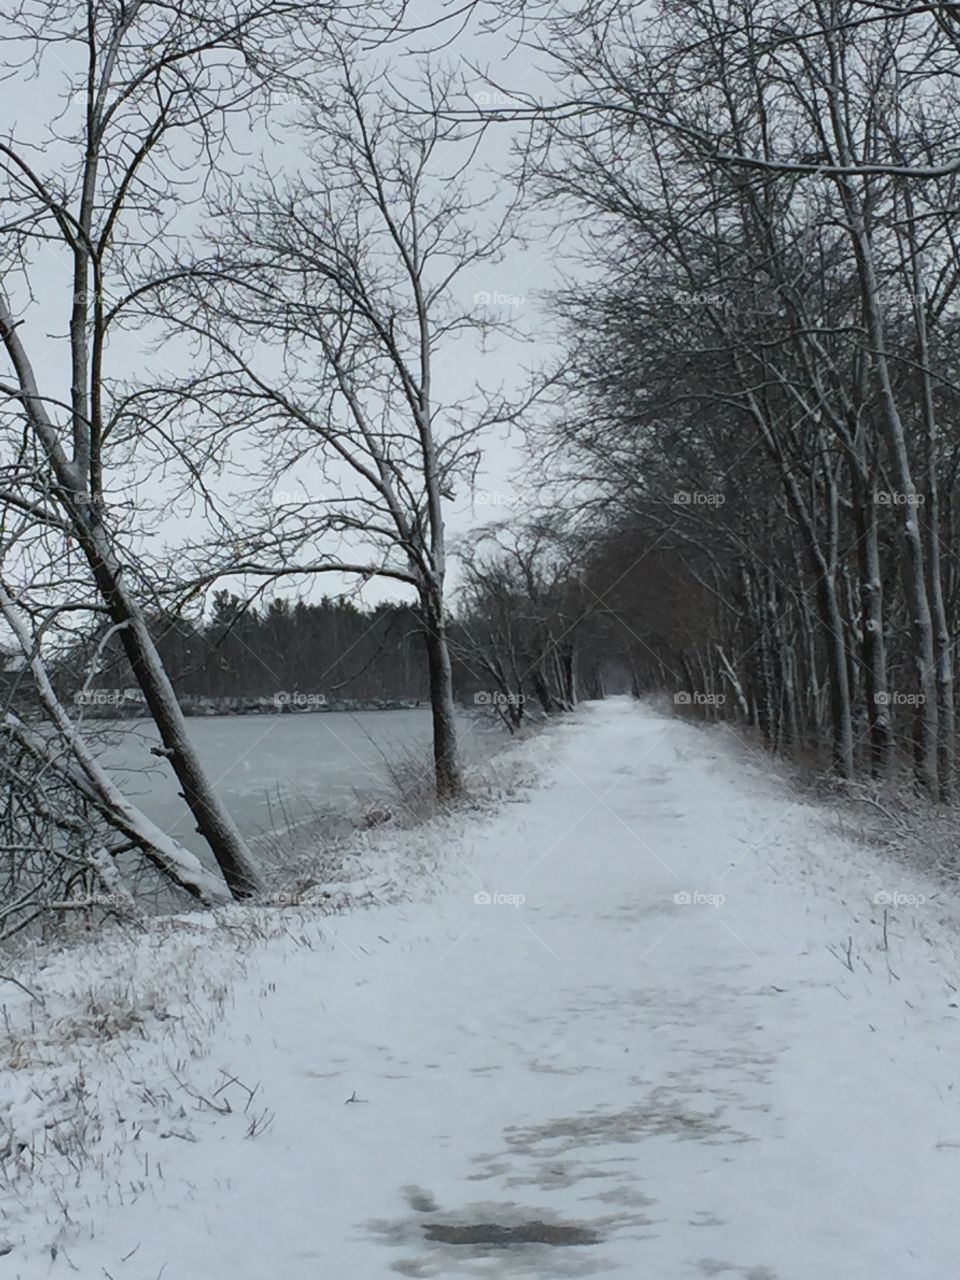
x,y
78,1012
648,1017
888,814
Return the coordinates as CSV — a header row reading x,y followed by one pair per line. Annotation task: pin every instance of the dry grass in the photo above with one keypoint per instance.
x,y
92,1061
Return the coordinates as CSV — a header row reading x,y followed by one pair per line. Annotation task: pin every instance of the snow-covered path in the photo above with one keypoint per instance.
x,y
602,1079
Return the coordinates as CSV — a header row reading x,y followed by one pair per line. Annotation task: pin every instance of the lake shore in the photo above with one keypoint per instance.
x,y
128,704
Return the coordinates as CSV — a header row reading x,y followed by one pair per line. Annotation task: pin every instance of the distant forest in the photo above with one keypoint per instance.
x,y
332,649
526,634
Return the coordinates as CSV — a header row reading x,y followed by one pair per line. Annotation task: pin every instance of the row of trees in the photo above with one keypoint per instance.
x,y
332,649
762,384
260,347
530,626
521,636
143,99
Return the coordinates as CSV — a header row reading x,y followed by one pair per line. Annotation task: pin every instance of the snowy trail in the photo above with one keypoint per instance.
x,y
602,1080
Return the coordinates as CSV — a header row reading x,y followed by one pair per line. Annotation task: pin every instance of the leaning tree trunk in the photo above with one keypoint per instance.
x,y
74,496
568,665
539,682
213,821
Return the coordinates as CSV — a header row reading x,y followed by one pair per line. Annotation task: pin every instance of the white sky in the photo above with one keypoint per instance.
x,y
515,289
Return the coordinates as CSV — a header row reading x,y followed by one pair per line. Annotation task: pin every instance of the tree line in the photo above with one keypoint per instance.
x,y
761,380
522,641
242,652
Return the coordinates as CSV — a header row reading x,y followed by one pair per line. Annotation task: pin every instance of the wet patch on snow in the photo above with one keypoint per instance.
x,y
711,1267
661,1115
494,1239
496,1233
420,1199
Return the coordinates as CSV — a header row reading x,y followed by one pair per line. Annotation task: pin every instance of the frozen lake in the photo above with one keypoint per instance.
x,y
277,769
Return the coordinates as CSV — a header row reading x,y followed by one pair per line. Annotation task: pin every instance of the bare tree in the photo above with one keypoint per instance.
x,y
525,613
330,315
65,819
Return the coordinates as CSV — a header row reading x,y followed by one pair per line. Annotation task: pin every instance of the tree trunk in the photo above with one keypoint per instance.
x,y
446,759
213,821
182,866
832,619
943,649
540,688
873,641
915,568
568,662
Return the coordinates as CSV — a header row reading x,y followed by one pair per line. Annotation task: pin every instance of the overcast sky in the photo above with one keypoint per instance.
x,y
513,290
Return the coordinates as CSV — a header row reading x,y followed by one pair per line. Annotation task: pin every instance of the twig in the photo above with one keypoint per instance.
x,y
5,977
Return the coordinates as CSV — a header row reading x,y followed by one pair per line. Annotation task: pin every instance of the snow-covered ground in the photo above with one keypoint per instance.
x,y
649,1020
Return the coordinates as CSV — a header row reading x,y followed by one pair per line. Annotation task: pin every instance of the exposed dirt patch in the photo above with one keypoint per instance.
x,y
495,1233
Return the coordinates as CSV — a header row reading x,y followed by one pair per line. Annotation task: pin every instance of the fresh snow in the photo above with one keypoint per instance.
x,y
674,1043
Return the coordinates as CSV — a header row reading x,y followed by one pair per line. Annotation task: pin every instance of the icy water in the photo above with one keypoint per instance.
x,y
280,769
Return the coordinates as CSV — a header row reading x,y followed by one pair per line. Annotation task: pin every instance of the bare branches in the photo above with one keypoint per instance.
x,y
755,390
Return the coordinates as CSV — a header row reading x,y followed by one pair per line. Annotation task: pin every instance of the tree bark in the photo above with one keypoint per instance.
x,y
213,821
873,642
446,757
